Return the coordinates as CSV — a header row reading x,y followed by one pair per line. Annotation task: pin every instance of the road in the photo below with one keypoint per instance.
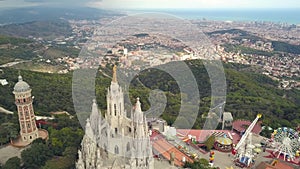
x,y
13,63
3,110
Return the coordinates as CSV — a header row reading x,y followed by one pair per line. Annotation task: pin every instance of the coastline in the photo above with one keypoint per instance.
x,y
277,16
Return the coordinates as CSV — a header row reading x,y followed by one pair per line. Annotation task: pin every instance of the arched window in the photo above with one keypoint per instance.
x,y
116,150
128,147
115,108
110,110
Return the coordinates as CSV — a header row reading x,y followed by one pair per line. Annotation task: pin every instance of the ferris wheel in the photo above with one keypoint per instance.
x,y
287,142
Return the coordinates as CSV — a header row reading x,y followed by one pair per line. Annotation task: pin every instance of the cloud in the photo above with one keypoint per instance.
x,y
48,3
196,4
15,3
123,4
62,2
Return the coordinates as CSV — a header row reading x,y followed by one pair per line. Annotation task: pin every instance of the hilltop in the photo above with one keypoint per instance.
x,y
44,13
47,30
32,54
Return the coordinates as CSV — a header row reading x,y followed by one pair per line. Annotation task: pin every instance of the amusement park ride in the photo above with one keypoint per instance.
x,y
243,150
285,143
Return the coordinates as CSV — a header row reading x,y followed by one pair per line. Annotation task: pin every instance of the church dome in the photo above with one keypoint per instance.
x,y
21,86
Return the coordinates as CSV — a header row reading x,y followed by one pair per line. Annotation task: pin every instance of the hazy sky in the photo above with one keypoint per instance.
x,y
210,4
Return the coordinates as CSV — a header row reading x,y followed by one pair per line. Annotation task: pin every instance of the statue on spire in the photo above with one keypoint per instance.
x,y
114,79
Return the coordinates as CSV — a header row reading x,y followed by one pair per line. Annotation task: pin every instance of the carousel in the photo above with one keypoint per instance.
x,y
223,144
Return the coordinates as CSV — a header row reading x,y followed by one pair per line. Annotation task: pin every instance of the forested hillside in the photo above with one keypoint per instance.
x,y
247,93
13,48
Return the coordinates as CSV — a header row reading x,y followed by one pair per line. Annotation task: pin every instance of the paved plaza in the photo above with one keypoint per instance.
x,y
9,151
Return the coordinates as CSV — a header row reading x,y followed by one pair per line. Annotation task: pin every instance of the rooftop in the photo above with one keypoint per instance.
x,y
227,116
274,165
21,86
202,135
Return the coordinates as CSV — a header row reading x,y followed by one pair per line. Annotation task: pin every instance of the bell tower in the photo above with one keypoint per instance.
x,y
23,101
115,105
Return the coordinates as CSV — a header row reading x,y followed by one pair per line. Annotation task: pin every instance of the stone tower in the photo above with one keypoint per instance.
x,y
23,101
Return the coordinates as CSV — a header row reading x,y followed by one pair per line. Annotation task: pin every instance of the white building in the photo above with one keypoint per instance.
x,y
3,82
116,141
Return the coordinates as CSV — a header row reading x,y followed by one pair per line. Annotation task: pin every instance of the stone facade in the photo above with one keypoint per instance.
x,y
116,141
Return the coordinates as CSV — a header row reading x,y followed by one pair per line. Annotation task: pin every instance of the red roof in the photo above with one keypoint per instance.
x,y
202,135
241,126
165,149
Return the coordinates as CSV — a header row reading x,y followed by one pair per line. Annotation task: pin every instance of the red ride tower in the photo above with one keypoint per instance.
x,y
23,101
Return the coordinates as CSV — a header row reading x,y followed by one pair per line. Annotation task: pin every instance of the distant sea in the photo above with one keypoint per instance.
x,y
289,16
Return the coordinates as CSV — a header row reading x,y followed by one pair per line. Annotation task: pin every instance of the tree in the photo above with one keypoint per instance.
x,y
266,132
3,136
59,163
12,130
201,164
36,156
8,131
39,140
63,121
203,161
70,152
66,137
12,163
209,143
67,161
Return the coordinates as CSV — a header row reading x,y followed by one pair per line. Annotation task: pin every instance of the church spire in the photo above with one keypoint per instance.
x,y
138,114
138,105
95,117
89,131
114,79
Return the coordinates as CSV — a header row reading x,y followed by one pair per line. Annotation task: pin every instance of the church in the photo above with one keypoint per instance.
x,y
116,141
